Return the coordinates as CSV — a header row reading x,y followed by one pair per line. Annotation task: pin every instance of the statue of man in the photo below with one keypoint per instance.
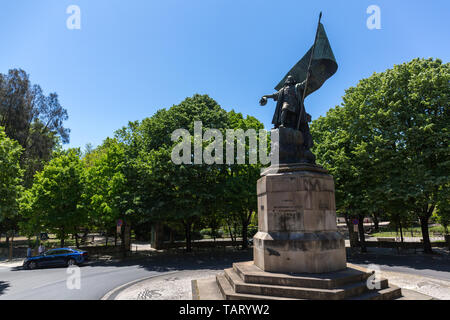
x,y
305,77
289,108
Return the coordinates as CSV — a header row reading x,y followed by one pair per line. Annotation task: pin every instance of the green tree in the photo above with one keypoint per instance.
x,y
339,152
32,119
188,194
239,197
170,192
442,212
387,145
54,203
10,182
106,191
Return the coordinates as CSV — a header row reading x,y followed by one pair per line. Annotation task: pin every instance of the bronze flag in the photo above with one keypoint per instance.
x,y
323,64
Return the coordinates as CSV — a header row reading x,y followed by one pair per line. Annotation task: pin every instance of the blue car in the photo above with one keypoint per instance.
x,y
56,257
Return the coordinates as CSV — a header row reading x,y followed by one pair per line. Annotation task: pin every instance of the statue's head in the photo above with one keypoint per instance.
x,y
289,80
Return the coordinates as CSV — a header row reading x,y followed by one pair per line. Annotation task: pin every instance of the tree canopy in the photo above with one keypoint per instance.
x,y
54,202
387,145
10,180
31,118
187,193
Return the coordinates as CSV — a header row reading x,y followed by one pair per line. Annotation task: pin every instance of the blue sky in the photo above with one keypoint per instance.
x,y
133,57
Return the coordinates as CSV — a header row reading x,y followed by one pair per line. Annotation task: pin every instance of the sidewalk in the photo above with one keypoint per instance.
x,y
177,286
173,286
16,262
438,289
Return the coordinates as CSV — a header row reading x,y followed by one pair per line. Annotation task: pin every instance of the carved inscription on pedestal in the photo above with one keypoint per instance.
x,y
288,215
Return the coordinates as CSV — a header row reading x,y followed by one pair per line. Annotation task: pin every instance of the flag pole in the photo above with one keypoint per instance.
x,y
302,110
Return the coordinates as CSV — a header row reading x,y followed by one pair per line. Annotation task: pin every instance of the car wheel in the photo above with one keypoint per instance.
x,y
32,265
71,262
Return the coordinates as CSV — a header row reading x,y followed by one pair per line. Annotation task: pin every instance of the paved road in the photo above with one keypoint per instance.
x,y
97,279
435,266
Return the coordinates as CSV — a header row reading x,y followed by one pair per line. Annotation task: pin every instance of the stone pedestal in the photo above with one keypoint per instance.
x,y
298,252
297,222
245,281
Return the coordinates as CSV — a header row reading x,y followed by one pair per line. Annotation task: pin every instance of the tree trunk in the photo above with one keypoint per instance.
x,y
230,232
122,242
425,234
11,246
77,240
84,240
353,236
126,238
376,222
158,236
63,235
187,229
362,237
244,235
401,231
214,229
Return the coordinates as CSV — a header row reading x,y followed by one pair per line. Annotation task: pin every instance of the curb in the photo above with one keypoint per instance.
x,y
14,264
111,295
195,291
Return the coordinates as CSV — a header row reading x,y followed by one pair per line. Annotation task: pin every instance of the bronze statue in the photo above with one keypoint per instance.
x,y
290,107
307,76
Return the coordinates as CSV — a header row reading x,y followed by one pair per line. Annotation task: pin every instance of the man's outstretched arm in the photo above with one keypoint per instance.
x,y
263,100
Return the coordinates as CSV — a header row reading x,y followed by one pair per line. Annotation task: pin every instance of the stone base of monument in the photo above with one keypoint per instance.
x,y
245,281
298,252
297,229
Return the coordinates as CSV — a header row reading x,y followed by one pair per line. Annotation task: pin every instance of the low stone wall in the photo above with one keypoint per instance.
x,y
201,244
101,250
17,252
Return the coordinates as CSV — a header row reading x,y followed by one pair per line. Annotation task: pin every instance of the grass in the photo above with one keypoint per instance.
x,y
416,232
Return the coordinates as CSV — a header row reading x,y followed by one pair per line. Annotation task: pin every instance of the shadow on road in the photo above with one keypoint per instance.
x,y
182,261
178,260
174,260
3,286
418,261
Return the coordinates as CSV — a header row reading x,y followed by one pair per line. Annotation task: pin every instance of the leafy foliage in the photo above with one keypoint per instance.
x,y
10,181
105,190
54,202
387,145
192,195
32,119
